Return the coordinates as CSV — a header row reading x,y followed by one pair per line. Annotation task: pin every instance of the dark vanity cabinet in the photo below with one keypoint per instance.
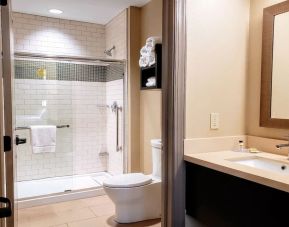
x,y
215,199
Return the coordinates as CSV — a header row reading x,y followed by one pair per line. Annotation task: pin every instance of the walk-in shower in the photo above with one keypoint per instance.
x,y
84,98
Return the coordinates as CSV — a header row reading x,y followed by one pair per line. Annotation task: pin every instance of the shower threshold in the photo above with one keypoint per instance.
x,y
59,189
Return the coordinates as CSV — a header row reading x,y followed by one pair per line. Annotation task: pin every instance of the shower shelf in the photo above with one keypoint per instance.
x,y
153,71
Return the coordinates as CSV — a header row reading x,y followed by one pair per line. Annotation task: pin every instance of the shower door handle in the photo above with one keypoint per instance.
x,y
5,212
118,146
117,129
20,140
116,109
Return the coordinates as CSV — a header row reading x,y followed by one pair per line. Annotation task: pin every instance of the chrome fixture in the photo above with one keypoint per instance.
x,y
279,146
109,51
27,127
41,56
115,108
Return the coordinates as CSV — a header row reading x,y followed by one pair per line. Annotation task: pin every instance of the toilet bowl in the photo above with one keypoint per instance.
x,y
136,196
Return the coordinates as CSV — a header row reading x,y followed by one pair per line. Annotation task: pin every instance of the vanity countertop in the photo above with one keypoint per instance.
x,y
220,161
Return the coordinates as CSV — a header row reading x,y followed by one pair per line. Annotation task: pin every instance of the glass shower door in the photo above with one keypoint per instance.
x,y
42,99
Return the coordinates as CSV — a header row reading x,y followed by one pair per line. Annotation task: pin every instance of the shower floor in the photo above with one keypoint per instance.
x,y
55,185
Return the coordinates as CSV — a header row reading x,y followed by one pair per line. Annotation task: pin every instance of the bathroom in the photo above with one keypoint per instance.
x,y
218,101
236,116
80,113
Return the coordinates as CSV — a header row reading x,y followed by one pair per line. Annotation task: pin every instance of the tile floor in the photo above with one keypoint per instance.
x,y
91,212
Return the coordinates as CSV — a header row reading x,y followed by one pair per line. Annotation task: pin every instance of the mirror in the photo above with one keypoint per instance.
x,y
280,70
275,67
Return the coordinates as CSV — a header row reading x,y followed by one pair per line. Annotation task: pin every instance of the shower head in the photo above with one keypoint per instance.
x,y
109,51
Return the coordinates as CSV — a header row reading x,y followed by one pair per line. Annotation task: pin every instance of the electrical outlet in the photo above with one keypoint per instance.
x,y
215,121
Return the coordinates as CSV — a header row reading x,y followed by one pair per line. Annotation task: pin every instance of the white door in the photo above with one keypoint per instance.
x,y
6,119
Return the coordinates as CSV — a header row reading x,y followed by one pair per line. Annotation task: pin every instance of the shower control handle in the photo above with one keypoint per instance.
x,y
20,140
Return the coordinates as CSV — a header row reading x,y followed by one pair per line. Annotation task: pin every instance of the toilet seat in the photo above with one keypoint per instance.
x,y
128,180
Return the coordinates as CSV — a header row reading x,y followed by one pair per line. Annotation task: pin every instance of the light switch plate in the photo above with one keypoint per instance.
x,y
215,121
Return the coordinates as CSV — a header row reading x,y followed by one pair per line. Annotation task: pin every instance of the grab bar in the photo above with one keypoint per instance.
x,y
26,127
116,109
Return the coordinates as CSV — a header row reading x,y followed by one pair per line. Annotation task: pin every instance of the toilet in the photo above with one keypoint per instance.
x,y
136,196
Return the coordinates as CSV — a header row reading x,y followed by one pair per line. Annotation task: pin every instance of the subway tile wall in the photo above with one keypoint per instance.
x,y
76,103
57,36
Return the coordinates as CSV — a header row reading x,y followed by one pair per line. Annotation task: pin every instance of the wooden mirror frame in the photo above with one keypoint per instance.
x,y
267,64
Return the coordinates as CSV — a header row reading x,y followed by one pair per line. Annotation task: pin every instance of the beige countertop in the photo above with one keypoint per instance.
x,y
220,161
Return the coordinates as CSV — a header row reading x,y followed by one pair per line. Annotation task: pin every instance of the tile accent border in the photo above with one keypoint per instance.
x,y
66,71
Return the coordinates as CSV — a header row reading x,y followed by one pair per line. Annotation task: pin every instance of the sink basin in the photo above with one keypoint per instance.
x,y
264,164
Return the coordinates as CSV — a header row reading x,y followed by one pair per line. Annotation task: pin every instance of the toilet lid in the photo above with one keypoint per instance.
x,y
128,180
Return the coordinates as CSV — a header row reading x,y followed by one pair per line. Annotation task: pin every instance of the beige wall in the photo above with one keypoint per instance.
x,y
217,44
150,100
254,75
134,40
116,35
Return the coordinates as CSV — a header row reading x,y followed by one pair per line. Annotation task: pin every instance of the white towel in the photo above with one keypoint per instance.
x,y
144,51
151,58
151,82
43,138
152,41
143,61
148,55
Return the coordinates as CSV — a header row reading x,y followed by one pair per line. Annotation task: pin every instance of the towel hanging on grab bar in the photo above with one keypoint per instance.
x,y
28,127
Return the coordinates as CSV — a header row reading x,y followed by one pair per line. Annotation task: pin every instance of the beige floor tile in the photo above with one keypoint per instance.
x,y
93,222
35,211
103,209
74,215
57,207
64,225
91,212
99,200
38,221
56,218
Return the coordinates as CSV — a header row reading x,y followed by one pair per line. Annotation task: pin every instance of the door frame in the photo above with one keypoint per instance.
x,y
7,99
173,112
173,109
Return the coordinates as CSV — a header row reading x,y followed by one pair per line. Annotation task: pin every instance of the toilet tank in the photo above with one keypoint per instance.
x,y
157,158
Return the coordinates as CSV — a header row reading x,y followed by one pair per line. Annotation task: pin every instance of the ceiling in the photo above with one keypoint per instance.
x,y
94,11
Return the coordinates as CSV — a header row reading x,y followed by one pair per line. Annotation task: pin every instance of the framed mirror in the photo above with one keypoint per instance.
x,y
274,111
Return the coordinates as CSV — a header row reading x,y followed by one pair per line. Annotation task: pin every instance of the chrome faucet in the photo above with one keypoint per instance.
x,y
279,146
